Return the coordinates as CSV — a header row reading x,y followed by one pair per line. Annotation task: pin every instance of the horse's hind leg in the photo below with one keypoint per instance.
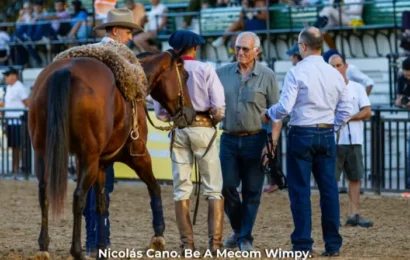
x,y
143,167
88,170
101,210
43,239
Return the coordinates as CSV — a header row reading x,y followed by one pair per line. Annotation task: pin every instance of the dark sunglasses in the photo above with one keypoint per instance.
x,y
245,49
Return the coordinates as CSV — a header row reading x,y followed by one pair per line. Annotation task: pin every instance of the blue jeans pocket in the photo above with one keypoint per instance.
x,y
300,145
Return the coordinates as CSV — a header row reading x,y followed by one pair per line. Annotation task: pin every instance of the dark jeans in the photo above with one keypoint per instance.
x,y
240,160
91,221
313,150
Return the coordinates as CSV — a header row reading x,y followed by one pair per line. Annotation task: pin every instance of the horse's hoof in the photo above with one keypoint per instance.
x,y
158,243
42,255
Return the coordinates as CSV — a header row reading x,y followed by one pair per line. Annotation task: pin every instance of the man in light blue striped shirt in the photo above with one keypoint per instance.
x,y
315,96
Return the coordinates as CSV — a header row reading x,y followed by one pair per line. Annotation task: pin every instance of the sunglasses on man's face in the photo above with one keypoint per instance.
x,y
245,49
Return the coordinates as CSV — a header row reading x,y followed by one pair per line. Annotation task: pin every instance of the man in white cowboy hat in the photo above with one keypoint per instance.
x,y
118,27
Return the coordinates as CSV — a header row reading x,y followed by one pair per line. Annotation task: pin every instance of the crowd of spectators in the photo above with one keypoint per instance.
x,y
37,24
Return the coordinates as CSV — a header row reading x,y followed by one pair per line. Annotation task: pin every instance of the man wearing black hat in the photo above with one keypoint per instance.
x,y
16,98
192,142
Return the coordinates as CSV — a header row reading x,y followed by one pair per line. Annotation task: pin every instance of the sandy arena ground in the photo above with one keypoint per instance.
x,y
131,223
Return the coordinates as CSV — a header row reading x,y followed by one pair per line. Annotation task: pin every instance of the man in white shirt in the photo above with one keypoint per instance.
x,y
353,73
350,141
16,98
311,93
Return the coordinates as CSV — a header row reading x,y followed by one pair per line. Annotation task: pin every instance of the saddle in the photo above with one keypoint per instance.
x,y
129,75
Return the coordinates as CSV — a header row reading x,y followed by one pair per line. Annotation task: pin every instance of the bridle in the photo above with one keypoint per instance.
x,y
180,114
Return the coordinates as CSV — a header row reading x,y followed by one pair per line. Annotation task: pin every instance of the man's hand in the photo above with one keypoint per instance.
x,y
264,118
266,151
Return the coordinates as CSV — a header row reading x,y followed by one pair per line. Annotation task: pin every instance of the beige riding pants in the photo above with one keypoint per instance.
x,y
190,143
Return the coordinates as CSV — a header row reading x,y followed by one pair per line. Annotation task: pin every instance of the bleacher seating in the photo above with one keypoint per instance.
x,y
291,19
215,21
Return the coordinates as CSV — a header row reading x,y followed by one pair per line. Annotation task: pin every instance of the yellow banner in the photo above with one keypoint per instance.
x,y
158,146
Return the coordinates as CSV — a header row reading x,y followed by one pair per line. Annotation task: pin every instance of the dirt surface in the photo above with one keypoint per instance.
x,y
131,223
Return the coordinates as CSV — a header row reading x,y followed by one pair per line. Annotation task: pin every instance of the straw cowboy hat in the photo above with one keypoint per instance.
x,y
119,17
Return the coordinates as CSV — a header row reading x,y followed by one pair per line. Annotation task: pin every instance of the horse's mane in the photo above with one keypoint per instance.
x,y
153,71
145,56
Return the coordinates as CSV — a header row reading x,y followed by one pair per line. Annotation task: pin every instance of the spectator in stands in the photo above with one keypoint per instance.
x,y
156,26
349,158
4,46
138,11
348,13
248,21
16,98
196,6
79,26
60,28
40,31
353,73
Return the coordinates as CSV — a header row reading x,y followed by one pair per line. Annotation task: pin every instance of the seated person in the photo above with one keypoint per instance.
x,y
197,5
60,28
156,26
4,46
138,11
248,21
38,31
79,27
331,16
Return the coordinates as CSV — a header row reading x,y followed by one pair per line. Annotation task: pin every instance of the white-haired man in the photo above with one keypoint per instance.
x,y
249,89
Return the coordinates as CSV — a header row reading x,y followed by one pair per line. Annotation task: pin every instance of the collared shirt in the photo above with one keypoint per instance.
x,y
354,74
105,39
311,93
247,98
205,89
359,99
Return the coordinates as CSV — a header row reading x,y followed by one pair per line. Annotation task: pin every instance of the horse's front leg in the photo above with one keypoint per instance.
x,y
87,175
142,165
43,239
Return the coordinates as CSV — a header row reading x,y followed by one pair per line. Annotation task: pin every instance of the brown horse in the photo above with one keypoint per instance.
x,y
77,109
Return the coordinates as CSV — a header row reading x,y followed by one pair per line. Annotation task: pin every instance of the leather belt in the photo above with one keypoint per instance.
x,y
313,126
243,133
202,119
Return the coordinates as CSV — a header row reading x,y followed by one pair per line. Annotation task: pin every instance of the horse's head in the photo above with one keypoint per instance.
x,y
167,84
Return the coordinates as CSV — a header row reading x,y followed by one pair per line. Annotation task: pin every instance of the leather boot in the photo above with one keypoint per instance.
x,y
215,223
184,224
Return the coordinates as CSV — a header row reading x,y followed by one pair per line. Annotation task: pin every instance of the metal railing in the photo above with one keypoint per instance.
x,y
385,150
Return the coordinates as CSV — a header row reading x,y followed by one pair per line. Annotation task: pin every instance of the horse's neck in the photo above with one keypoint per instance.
x,y
154,68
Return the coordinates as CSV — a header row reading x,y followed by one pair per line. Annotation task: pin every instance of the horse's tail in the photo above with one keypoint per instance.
x,y
58,138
